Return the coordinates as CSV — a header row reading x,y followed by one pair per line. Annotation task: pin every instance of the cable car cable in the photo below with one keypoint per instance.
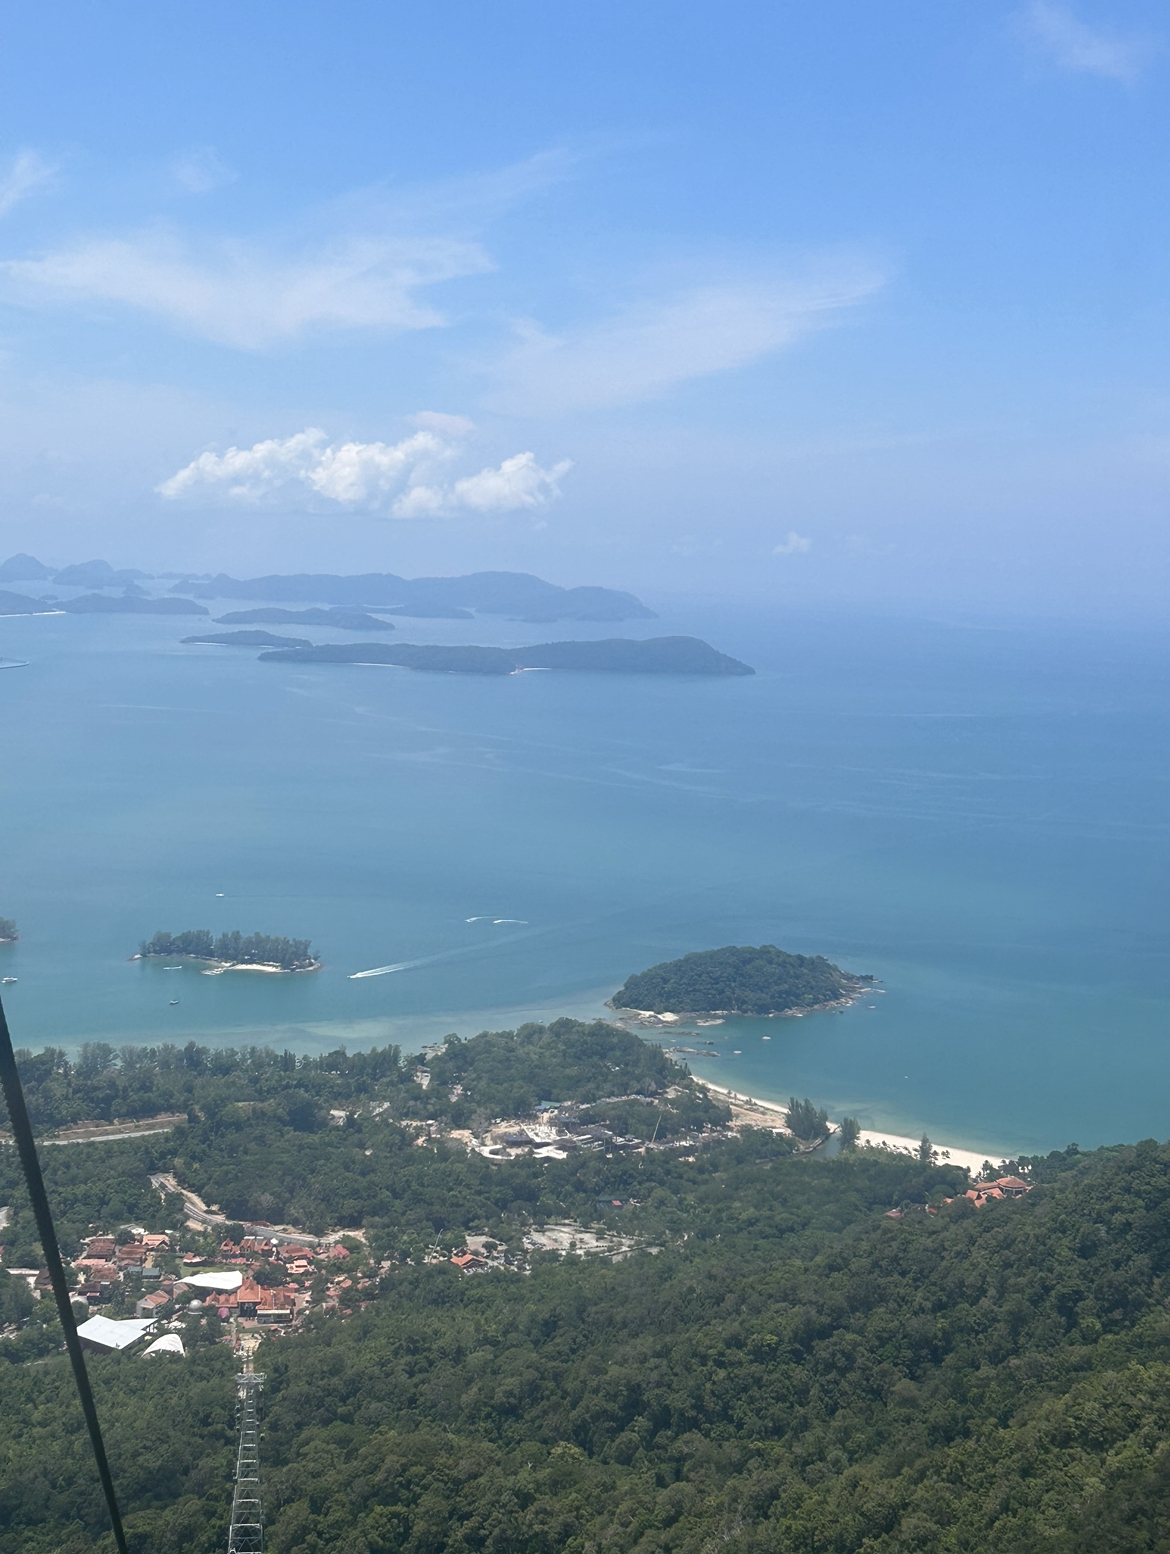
x,y
22,1131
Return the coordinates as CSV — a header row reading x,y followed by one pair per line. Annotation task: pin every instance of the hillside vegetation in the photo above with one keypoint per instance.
x,y
791,1372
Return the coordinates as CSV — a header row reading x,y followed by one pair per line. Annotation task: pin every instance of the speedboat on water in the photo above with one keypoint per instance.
x,y
6,980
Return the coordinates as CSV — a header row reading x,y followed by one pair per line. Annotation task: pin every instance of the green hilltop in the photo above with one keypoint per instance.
x,y
738,980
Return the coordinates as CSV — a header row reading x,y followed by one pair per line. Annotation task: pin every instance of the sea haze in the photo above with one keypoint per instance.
x,y
974,813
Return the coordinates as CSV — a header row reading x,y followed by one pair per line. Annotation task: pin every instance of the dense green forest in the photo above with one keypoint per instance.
x,y
737,980
254,950
8,931
599,1066
789,1370
792,1372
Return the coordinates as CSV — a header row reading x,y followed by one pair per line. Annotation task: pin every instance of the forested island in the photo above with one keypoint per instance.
x,y
517,594
615,655
8,933
343,620
250,639
128,604
22,604
740,980
231,949
99,604
793,1354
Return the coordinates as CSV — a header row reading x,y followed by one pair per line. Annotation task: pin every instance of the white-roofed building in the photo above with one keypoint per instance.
x,y
169,1343
103,1335
225,1282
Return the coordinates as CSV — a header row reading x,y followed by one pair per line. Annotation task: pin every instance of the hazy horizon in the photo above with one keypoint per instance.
x,y
812,307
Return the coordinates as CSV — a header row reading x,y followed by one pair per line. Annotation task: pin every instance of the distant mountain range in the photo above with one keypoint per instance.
x,y
515,594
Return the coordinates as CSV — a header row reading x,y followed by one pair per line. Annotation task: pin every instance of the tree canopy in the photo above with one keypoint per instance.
x,y
779,1367
736,980
253,950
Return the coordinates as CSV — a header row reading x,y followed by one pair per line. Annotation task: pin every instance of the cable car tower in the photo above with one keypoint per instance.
x,y
246,1535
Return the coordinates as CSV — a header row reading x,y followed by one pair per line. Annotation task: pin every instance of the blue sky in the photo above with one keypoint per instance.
x,y
792,302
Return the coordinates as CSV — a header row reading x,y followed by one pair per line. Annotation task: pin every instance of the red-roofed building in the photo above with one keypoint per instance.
x,y
248,1297
276,1306
1012,1186
468,1261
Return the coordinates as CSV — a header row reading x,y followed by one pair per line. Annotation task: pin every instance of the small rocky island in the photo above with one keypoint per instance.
x,y
614,655
740,980
231,951
8,933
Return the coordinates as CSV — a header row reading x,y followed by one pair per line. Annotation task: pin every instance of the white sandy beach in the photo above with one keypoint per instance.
x,y
951,1154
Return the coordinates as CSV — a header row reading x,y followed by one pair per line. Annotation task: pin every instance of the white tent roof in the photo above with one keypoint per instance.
x,y
114,1335
169,1343
225,1282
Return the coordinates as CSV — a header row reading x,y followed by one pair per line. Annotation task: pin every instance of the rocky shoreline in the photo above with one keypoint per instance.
x,y
649,1019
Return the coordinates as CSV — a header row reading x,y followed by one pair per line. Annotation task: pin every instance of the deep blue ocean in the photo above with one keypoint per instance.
x,y
975,813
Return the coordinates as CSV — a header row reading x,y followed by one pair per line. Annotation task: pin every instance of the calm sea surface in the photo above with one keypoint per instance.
x,y
976,815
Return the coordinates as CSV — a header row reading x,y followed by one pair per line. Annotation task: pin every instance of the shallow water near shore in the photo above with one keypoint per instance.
x,y
975,813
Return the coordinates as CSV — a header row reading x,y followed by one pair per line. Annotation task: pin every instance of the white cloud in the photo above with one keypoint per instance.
x,y
307,470
793,544
519,482
655,346
238,294
27,171
1073,45
201,171
379,252
447,425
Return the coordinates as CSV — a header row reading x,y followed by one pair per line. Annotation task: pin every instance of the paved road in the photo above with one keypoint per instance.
x,y
164,1182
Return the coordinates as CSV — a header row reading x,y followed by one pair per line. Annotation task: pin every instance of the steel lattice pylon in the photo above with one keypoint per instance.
x,y
247,1530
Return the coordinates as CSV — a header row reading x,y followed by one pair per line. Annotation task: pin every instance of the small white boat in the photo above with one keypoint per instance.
x,y
172,968
174,1001
7,980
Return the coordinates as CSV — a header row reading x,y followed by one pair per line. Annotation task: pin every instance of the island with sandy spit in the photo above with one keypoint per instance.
x,y
231,951
739,980
250,639
615,655
21,604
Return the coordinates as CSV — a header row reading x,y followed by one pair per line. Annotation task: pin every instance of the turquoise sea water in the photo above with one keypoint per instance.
x,y
976,814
